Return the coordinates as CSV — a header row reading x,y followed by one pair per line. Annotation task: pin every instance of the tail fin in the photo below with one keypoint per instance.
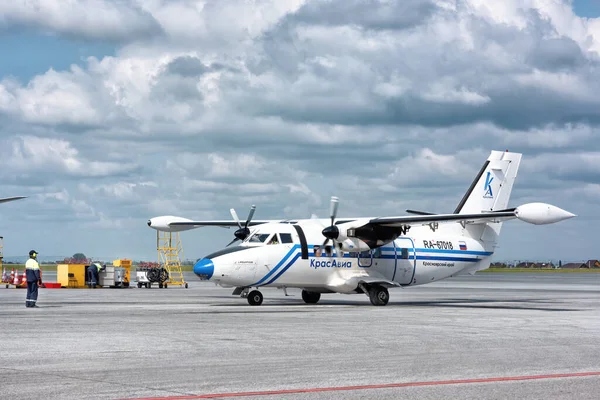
x,y
491,189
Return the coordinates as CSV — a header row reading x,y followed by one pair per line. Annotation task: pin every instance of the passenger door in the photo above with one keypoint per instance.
x,y
406,259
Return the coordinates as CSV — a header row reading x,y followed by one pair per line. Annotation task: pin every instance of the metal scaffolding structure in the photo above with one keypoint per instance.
x,y
170,252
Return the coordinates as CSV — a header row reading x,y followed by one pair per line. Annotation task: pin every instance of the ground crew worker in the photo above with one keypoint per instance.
x,y
34,279
94,272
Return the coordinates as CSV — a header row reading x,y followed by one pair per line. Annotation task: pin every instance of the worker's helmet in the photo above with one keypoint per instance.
x,y
33,254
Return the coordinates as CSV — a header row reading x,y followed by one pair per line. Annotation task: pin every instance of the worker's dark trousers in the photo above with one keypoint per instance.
x,y
93,276
32,294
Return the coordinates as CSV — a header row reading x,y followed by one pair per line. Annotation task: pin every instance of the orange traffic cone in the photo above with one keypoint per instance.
x,y
24,278
12,275
16,280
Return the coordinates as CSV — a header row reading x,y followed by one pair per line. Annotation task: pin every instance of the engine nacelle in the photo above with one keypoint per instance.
x,y
541,213
359,235
162,224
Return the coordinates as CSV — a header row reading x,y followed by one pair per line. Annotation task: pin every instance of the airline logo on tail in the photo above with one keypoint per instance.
x,y
488,186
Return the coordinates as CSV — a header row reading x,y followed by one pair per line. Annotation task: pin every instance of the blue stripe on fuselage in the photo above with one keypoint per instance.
x,y
419,256
424,250
284,269
279,264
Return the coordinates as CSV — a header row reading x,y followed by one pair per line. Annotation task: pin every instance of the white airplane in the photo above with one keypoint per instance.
x,y
368,255
7,199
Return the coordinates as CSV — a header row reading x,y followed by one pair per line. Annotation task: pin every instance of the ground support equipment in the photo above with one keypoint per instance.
x,y
170,252
148,273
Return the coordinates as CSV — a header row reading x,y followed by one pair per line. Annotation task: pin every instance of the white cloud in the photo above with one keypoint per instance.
x,y
34,155
281,104
88,18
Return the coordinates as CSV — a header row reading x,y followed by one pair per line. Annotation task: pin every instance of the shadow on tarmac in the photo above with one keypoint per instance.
x,y
502,304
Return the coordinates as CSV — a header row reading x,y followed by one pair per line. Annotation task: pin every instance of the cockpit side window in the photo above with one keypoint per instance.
x,y
274,240
286,238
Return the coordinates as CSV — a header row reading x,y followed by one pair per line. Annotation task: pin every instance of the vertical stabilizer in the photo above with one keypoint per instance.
x,y
491,188
490,191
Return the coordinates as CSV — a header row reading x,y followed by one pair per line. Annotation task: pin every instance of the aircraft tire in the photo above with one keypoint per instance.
x,y
379,296
255,298
310,297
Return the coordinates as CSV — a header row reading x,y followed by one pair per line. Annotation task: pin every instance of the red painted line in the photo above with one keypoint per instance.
x,y
377,386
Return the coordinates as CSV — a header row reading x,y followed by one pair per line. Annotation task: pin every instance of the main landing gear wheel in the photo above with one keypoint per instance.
x,y
255,298
310,297
379,296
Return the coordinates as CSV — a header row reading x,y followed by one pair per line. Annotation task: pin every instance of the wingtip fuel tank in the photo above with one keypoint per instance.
x,y
163,223
542,213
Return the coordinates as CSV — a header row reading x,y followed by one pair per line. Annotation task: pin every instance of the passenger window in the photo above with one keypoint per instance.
x,y
377,252
286,238
317,250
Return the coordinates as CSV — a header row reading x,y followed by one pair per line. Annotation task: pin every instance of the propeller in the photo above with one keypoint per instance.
x,y
244,231
332,232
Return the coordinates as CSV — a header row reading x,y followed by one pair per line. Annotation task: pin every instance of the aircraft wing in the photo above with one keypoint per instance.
x,y
222,223
7,199
424,219
169,223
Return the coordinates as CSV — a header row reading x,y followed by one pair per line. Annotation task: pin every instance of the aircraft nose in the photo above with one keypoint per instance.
x,y
204,268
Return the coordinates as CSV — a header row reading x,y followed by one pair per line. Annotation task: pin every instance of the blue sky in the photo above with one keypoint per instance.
x,y
184,112
587,8
28,52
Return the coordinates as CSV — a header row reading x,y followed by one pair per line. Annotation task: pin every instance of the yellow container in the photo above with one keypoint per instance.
x,y
77,278
124,263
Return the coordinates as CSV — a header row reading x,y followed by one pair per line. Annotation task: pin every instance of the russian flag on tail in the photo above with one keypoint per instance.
x,y
462,245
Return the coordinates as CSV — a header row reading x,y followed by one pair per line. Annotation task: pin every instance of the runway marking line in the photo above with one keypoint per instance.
x,y
377,386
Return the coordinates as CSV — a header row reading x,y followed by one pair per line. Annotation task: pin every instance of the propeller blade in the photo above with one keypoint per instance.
x,y
337,246
250,215
232,242
333,207
235,217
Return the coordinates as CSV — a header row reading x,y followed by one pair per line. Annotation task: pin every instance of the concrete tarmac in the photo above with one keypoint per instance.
x,y
489,336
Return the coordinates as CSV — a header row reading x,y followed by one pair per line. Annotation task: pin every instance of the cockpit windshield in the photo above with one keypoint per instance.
x,y
258,237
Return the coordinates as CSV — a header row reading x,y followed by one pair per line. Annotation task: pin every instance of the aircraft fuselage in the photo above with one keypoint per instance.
x,y
407,261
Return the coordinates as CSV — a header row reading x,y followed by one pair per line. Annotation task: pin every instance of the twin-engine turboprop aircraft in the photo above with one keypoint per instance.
x,y
368,255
